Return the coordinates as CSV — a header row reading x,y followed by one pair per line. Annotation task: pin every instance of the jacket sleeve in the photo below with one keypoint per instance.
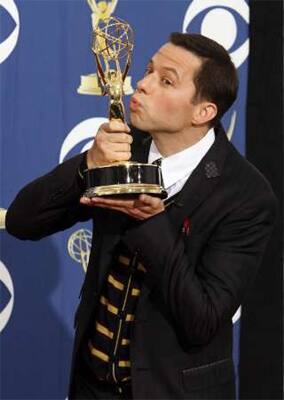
x,y
49,204
201,297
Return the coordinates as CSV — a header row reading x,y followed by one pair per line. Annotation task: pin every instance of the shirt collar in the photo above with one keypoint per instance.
x,y
181,164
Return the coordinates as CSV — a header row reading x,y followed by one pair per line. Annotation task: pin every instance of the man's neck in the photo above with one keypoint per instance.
x,y
171,143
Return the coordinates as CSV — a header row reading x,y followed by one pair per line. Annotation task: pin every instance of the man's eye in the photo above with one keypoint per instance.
x,y
167,81
147,71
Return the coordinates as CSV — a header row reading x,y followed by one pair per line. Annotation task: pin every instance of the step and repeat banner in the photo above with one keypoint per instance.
x,y
45,48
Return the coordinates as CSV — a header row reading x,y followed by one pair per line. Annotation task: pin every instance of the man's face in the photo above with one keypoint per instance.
x,y
163,99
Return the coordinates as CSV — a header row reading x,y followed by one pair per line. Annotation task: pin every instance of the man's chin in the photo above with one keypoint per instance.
x,y
140,123
135,121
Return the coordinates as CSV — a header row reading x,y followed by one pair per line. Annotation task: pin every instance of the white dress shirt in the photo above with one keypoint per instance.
x,y
177,168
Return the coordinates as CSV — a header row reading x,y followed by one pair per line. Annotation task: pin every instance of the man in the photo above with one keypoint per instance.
x,y
164,277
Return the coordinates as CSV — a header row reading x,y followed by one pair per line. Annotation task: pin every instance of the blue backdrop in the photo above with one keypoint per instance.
x,y
44,49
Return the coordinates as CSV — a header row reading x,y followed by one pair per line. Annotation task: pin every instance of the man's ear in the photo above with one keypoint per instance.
x,y
204,113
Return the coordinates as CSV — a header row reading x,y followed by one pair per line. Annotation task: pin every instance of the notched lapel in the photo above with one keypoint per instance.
x,y
201,182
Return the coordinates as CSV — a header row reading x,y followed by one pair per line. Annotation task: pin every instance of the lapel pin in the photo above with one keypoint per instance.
x,y
211,170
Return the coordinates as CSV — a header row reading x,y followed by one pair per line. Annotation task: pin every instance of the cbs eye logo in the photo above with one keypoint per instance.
x,y
225,21
7,293
81,137
8,45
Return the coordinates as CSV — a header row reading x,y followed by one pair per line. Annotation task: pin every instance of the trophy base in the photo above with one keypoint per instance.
x,y
126,190
125,179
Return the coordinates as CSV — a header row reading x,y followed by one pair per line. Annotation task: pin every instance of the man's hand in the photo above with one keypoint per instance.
x,y
142,208
112,143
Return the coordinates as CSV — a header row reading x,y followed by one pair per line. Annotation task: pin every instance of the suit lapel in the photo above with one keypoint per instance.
x,y
201,182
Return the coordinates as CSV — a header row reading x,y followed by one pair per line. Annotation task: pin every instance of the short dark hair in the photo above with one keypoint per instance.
x,y
217,78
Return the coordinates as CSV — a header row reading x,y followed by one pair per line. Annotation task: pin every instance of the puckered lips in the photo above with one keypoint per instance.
x,y
134,103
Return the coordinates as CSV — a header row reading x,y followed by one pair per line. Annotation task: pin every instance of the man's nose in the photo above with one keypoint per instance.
x,y
145,84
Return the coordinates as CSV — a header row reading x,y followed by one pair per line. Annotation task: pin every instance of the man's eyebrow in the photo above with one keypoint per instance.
x,y
171,69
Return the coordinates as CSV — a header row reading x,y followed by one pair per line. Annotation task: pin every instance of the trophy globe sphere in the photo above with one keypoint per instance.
x,y
113,38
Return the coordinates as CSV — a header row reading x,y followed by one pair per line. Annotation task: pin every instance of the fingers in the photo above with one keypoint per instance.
x,y
113,202
148,201
132,212
115,125
86,201
120,147
145,202
106,202
126,210
112,143
143,207
120,138
115,131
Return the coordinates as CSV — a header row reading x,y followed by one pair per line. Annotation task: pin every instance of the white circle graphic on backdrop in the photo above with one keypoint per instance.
x,y
84,130
8,45
212,28
6,280
224,31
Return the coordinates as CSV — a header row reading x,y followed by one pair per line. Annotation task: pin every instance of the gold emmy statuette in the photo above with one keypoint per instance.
x,y
112,47
90,83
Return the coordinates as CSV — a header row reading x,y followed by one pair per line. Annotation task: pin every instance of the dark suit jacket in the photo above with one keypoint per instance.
x,y
181,343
